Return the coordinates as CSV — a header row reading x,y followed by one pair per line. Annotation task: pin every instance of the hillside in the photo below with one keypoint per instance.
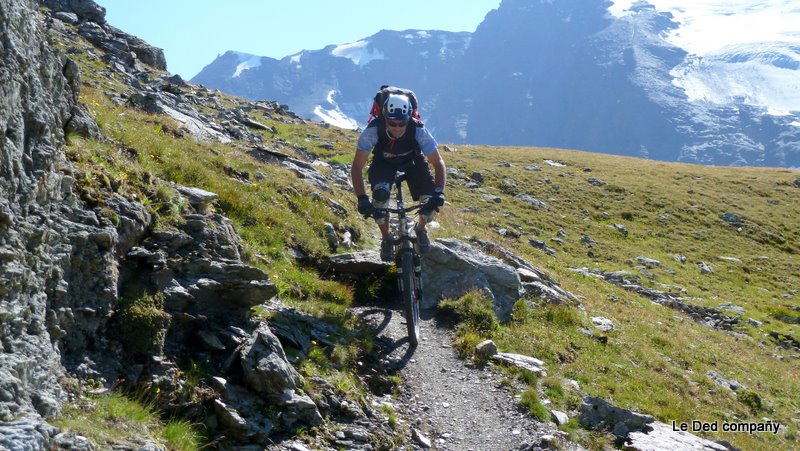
x,y
169,246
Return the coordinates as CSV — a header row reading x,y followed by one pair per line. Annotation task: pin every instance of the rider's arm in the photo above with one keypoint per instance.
x,y
430,148
357,172
439,170
367,140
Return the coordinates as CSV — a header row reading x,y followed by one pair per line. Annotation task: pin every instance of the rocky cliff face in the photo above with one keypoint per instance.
x,y
65,265
42,228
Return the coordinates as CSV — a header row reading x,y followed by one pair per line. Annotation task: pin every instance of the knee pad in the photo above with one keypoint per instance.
x,y
380,194
380,199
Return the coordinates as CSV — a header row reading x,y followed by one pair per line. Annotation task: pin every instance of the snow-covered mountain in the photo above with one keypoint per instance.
x,y
566,73
336,84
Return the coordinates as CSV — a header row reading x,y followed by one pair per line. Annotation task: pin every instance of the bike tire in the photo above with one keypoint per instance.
x,y
410,297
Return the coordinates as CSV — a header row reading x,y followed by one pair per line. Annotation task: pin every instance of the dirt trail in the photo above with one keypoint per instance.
x,y
457,406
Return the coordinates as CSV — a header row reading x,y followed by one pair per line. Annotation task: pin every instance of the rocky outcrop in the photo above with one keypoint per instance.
x,y
91,20
597,413
452,268
709,316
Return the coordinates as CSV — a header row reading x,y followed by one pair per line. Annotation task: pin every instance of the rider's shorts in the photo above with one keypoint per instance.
x,y
418,173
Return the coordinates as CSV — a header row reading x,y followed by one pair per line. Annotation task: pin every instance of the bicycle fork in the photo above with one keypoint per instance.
x,y
418,275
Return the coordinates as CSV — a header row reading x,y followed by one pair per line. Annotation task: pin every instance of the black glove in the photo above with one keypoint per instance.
x,y
365,205
434,202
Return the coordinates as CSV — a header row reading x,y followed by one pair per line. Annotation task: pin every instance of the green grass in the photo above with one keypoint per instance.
x,y
530,400
112,419
654,362
476,320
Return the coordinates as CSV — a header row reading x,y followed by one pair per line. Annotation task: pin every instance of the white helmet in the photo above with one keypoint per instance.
x,y
397,108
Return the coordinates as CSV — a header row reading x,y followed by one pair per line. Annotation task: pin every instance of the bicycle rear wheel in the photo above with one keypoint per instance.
x,y
410,297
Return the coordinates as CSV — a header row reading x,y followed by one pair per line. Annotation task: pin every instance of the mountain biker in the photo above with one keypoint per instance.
x,y
398,142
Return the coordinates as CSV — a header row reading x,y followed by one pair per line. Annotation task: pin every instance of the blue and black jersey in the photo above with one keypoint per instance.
x,y
416,140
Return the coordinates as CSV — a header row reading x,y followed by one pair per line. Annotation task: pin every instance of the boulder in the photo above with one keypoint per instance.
x,y
264,365
267,372
599,414
357,263
663,436
453,268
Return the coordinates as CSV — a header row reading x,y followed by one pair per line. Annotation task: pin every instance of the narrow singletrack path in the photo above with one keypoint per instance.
x,y
456,405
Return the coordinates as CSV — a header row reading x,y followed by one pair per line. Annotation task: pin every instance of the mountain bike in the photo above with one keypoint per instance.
x,y
407,259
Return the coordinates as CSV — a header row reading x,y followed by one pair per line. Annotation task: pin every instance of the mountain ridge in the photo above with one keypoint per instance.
x,y
570,77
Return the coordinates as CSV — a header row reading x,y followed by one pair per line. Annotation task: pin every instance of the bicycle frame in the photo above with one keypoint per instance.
x,y
407,259
402,239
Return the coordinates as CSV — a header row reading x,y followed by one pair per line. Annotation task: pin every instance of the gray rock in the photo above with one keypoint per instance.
x,y
620,228
40,216
265,367
732,218
730,259
486,349
84,9
365,262
453,268
70,18
421,439
730,384
599,414
603,324
232,422
532,201
739,310
662,436
27,433
559,417
200,199
477,177
524,362
753,322
539,244
653,263
82,123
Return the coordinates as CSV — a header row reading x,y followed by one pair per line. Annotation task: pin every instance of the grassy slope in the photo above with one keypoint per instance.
x,y
657,359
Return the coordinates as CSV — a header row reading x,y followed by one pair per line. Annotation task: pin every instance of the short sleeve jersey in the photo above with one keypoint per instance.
x,y
417,138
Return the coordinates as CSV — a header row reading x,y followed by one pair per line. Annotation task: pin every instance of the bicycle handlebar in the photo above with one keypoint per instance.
x,y
394,210
401,210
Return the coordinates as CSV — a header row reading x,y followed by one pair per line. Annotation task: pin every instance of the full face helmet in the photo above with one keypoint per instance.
x,y
397,108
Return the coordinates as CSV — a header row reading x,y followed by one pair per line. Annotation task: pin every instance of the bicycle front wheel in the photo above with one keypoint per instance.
x,y
410,297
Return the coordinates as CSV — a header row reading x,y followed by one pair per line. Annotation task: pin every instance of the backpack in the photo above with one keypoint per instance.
x,y
383,94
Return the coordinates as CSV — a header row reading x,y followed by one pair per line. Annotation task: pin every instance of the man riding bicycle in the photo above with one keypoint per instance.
x,y
398,142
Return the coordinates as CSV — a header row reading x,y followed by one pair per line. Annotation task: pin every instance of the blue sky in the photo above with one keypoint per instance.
x,y
192,33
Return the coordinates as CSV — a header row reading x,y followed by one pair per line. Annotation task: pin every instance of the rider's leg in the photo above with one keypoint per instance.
x,y
421,186
381,176
384,228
